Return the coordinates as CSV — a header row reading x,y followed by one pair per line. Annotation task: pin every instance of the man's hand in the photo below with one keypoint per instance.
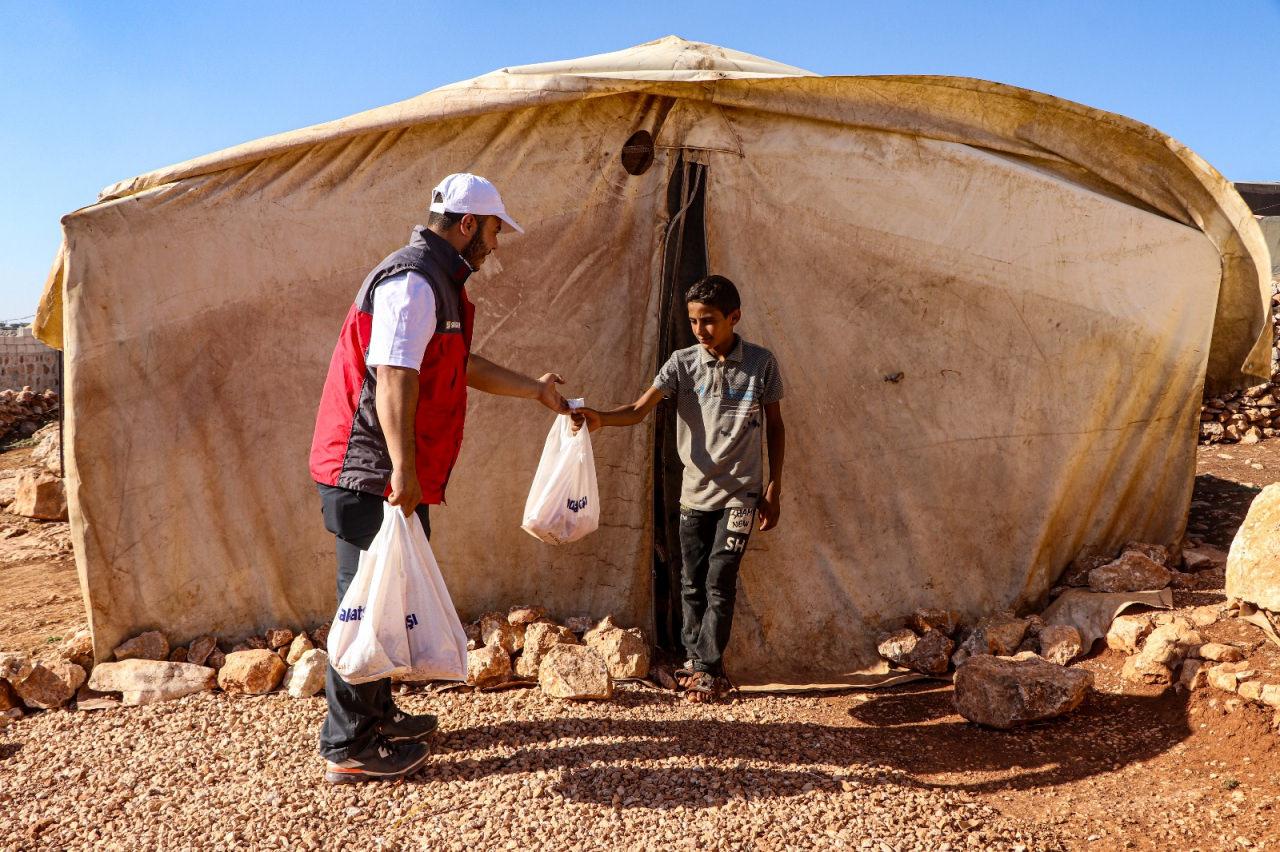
x,y
406,492
585,415
549,396
770,508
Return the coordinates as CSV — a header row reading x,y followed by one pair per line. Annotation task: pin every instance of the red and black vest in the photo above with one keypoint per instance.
x,y
348,449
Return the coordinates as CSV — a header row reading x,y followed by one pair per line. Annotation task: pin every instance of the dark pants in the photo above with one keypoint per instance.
x,y
711,544
355,709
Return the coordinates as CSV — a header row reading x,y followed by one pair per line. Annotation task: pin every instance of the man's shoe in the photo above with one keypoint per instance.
x,y
401,727
381,761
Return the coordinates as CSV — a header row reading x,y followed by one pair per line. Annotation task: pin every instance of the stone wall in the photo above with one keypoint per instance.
x,y
26,362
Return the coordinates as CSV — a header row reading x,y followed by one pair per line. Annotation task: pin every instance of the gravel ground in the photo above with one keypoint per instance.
x,y
509,770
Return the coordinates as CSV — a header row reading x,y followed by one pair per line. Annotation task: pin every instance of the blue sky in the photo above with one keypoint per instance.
x,y
93,92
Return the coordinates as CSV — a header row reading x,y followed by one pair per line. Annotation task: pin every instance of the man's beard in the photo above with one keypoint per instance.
x,y
476,250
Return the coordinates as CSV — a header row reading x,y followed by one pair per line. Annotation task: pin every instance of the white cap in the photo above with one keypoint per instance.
x,y
466,193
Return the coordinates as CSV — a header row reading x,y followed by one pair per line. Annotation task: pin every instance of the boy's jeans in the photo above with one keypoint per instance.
x,y
711,544
355,709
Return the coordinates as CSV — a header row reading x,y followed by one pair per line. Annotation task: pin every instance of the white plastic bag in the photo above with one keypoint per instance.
x,y
563,503
396,617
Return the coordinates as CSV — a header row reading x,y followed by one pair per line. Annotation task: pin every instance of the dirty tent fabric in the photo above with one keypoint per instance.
x,y
1054,284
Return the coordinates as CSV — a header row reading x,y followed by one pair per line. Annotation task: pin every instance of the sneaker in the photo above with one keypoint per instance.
x,y
402,727
381,761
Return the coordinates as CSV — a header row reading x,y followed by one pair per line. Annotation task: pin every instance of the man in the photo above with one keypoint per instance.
x,y
390,426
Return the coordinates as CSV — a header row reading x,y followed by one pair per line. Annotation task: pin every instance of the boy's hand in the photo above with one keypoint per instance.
x,y
585,415
770,508
406,492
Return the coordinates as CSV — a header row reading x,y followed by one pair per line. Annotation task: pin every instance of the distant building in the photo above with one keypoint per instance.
x,y
25,361
1264,200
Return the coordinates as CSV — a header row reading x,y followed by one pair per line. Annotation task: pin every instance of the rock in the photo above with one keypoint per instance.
x,y
48,449
1001,693
488,666
278,637
151,681
574,672
895,646
1157,553
178,655
495,630
283,653
579,624
945,621
1219,653
49,685
1270,695
539,638
1170,643
959,657
216,659
1034,625
626,651
90,699
1224,676
1253,564
240,647
1193,674
525,614
1132,572
7,717
146,646
40,495
1090,557
1250,690
8,698
301,644
306,677
256,643
14,665
252,672
1203,558
78,649
998,634
1203,616
320,636
1059,643
200,649
1140,670
1128,631
662,676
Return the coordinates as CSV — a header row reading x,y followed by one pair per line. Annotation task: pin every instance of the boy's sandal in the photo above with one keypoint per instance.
x,y
706,687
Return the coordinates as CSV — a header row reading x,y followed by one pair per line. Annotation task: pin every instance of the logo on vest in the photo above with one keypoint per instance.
x,y
576,505
451,325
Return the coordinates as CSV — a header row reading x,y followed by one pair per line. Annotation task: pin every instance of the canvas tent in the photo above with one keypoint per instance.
x,y
1047,285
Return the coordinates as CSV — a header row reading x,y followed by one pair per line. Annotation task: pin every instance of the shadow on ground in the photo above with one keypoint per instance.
x,y
910,737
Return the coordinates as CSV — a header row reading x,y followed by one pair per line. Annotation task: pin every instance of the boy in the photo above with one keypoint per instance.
x,y
721,386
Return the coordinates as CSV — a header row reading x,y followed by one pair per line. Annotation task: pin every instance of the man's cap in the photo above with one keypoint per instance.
x,y
467,193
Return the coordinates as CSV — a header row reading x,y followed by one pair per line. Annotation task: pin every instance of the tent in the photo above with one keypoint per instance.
x,y
995,311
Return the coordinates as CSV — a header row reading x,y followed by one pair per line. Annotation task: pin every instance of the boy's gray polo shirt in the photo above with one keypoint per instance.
x,y
719,421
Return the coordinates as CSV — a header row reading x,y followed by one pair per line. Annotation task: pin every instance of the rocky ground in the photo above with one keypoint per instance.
x,y
1136,767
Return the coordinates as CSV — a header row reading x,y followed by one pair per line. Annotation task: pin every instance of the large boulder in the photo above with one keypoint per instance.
x,y
306,677
488,666
624,651
1253,563
1132,572
574,672
146,646
539,638
40,495
151,681
253,672
50,685
1002,693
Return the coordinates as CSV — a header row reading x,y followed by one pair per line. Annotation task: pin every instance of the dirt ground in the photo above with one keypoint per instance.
x,y
1134,768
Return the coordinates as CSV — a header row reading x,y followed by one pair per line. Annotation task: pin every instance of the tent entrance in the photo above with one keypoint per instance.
x,y
684,262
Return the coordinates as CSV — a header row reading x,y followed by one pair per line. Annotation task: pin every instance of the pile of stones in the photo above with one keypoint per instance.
x,y
1010,669
22,412
1253,414
146,670
578,660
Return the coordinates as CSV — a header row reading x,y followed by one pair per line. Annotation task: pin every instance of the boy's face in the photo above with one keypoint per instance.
x,y
712,328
